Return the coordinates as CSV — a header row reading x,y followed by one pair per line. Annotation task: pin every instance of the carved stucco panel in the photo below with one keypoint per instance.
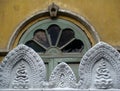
x,y
63,77
102,75
23,68
91,61
32,61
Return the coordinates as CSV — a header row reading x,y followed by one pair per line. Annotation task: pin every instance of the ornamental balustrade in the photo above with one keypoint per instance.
x,y
23,68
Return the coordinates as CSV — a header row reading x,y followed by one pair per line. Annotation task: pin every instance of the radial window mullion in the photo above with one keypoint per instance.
x,y
66,36
59,37
48,37
67,43
75,46
40,44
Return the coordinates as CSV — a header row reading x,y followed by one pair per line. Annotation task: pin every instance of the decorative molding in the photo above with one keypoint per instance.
x,y
103,79
63,76
91,61
43,14
53,10
21,79
31,60
99,70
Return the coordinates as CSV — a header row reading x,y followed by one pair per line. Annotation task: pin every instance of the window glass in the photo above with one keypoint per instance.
x,y
56,41
40,37
35,46
66,36
66,40
53,32
74,46
39,42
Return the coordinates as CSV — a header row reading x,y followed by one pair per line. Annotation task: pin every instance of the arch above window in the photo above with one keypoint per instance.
x,y
62,14
60,34
68,36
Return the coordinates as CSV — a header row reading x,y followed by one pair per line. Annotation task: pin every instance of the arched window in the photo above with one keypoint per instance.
x,y
57,39
54,36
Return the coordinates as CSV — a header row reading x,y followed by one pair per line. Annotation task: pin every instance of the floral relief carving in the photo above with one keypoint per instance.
x,y
89,63
21,80
103,78
63,76
31,59
23,68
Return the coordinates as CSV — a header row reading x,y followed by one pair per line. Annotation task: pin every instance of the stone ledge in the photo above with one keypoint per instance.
x,y
59,89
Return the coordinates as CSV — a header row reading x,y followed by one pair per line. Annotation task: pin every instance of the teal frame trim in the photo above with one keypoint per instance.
x,y
78,34
63,24
62,12
53,58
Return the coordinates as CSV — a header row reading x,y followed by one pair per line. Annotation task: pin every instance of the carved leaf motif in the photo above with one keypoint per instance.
x,y
63,76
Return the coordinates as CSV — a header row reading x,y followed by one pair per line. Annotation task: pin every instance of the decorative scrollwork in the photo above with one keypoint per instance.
x,y
88,66
21,80
30,59
103,78
63,76
99,68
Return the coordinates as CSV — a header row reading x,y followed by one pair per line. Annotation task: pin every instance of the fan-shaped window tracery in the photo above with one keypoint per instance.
x,y
54,36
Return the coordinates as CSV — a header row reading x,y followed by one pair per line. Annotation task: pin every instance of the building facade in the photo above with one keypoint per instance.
x,y
59,31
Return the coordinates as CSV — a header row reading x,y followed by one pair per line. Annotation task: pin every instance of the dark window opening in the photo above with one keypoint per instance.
x,y
53,31
74,46
66,36
40,36
54,37
35,46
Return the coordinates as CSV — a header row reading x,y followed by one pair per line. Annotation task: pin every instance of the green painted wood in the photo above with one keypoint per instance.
x,y
53,54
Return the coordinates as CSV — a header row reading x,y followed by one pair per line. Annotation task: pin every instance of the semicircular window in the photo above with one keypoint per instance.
x,y
56,41
54,36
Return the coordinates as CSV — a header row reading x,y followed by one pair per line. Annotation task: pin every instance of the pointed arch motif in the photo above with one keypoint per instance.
x,y
102,64
63,76
27,63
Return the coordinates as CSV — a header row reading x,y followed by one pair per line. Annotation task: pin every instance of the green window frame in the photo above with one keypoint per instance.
x,y
54,53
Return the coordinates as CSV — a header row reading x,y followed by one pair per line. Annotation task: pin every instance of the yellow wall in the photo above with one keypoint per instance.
x,y
104,15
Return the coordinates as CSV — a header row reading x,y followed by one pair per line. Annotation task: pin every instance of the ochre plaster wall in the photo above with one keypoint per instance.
x,y
104,15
